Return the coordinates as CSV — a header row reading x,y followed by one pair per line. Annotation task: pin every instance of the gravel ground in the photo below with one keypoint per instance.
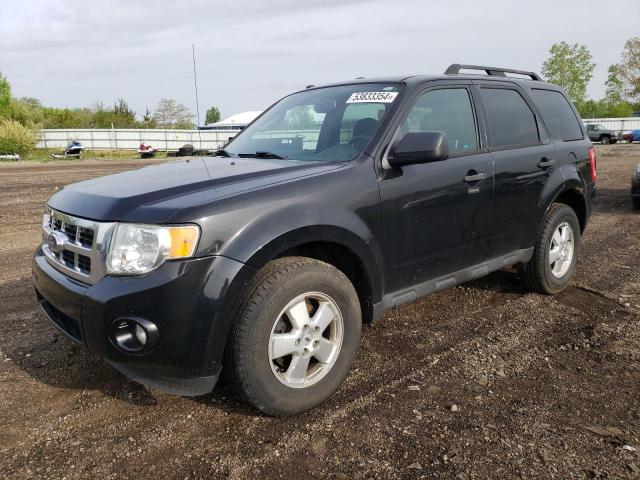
x,y
484,380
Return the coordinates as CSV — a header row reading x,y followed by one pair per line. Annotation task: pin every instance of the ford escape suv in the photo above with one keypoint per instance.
x,y
337,203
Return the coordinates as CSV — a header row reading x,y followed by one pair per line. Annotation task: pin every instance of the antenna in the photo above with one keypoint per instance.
x,y
195,82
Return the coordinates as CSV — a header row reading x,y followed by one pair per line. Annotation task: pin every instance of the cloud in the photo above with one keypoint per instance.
x,y
250,52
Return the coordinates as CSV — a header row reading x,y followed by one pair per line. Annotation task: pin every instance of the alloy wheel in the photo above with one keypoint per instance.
x,y
561,250
305,340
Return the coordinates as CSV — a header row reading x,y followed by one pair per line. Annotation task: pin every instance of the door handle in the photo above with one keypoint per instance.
x,y
545,162
475,177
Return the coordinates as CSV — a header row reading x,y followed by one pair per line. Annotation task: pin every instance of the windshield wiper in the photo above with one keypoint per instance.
x,y
222,153
262,154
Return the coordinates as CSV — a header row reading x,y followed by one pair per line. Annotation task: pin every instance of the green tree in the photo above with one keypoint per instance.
x,y
101,116
123,116
629,68
66,117
16,138
5,95
147,119
571,67
614,92
213,116
27,111
614,104
591,109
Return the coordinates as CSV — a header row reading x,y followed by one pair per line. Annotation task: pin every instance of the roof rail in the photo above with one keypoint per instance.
x,y
455,68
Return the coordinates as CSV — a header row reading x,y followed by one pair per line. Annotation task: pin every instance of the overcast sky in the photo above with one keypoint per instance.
x,y
249,52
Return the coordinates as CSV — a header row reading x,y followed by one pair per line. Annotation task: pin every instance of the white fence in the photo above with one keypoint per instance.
x,y
616,124
130,139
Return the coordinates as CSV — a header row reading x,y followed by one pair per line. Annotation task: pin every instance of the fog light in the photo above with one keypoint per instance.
x,y
133,334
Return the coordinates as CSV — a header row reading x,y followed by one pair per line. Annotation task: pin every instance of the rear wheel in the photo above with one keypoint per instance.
x,y
295,337
556,251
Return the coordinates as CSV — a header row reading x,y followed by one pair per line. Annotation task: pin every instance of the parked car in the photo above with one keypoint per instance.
x,y
265,259
632,136
635,186
599,133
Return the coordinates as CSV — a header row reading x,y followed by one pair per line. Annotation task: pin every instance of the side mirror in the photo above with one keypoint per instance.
x,y
419,147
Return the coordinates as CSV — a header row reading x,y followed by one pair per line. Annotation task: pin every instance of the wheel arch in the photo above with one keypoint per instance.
x,y
572,196
336,246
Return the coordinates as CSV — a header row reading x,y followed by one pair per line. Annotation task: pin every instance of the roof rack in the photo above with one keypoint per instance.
x,y
455,68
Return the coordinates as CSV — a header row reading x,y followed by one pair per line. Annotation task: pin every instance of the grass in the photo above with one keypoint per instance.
x,y
44,155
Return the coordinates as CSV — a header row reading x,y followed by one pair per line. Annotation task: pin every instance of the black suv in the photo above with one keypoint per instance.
x,y
336,204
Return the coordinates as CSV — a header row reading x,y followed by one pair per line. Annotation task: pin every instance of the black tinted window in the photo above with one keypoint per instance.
x,y
512,121
448,111
558,115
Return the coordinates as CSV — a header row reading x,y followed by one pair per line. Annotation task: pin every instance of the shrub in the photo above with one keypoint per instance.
x,y
15,138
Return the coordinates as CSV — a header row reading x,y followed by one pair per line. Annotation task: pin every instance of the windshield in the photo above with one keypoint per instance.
x,y
326,124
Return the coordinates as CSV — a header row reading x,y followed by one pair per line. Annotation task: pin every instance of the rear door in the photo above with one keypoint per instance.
x,y
567,133
523,159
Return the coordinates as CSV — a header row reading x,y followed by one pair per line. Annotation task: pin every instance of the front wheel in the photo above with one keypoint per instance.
x,y
295,337
556,251
605,140
636,202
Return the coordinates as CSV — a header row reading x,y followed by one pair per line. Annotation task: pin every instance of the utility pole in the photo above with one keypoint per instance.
x,y
195,83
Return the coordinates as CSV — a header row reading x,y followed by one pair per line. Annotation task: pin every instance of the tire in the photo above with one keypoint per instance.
x,y
604,140
540,274
268,381
636,202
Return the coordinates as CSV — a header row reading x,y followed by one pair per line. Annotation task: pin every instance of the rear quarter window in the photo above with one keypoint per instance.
x,y
558,114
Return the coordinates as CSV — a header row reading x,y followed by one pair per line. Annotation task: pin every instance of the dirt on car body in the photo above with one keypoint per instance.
x,y
484,380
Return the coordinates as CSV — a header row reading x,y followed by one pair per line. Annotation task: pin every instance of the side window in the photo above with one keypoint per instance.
x,y
559,116
511,120
446,110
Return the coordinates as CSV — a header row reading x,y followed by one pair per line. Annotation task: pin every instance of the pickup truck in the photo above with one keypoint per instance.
x,y
599,133
336,204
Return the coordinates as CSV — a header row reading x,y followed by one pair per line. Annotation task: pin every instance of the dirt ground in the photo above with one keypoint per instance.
x,y
484,380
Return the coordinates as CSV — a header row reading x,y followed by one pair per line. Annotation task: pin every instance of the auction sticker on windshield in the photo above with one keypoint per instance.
x,y
368,97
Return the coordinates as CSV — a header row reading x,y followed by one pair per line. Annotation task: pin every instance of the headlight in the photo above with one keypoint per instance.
x,y
138,249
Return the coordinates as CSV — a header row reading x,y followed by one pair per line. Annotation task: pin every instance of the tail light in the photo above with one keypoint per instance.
x,y
592,163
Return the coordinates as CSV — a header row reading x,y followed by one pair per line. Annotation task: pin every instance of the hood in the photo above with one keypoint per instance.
x,y
142,195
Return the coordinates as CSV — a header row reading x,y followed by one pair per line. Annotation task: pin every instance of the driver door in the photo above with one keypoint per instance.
x,y
437,216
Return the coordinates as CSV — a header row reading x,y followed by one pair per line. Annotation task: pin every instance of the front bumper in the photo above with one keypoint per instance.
x,y
192,302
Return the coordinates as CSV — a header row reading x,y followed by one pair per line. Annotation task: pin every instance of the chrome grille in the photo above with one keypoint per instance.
x,y
75,246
